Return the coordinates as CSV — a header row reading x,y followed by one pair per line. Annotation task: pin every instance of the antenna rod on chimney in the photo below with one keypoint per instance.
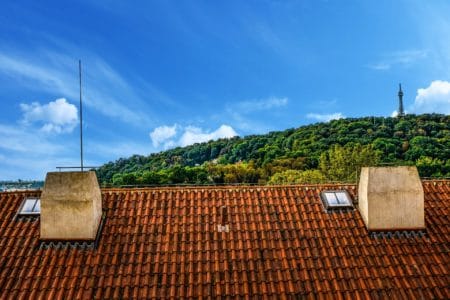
x,y
81,120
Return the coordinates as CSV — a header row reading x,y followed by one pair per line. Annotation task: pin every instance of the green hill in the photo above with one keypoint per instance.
x,y
332,151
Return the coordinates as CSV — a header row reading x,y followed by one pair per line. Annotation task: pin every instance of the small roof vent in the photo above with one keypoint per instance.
x,y
223,215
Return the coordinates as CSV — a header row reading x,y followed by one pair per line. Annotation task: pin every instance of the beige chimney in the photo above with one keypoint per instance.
x,y
71,206
391,198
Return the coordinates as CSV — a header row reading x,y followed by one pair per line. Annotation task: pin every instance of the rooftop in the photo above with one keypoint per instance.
x,y
280,242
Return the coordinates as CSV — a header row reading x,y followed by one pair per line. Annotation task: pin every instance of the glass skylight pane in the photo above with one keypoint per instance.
x,y
37,207
28,205
342,198
331,198
337,199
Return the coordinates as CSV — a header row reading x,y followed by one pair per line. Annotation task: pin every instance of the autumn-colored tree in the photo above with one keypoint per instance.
x,y
296,176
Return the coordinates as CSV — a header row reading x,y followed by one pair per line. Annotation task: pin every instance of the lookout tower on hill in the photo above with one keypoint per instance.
x,y
401,112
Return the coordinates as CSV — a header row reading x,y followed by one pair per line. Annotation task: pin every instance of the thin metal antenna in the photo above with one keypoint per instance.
x,y
81,120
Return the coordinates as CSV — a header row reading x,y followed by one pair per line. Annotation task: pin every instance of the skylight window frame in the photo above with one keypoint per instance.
x,y
330,206
34,211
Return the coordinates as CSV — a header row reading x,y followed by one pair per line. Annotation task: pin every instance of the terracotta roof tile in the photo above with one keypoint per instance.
x,y
165,242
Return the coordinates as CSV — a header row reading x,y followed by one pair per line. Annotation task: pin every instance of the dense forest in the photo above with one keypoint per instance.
x,y
321,152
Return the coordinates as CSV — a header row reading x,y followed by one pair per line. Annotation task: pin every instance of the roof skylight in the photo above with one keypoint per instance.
x,y
336,199
30,206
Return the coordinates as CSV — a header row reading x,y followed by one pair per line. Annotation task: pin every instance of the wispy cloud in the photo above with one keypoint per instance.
x,y
246,115
28,154
22,140
34,144
380,66
104,89
325,117
260,104
402,58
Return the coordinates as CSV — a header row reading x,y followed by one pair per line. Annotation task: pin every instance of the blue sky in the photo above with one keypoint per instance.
x,y
160,74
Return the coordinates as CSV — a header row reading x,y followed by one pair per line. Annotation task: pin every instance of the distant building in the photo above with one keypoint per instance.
x,y
401,112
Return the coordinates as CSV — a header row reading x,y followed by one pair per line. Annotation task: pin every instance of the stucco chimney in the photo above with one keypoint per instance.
x,y
391,198
71,206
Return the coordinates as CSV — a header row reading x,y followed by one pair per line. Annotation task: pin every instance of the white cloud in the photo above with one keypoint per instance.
x,y
325,117
57,116
194,135
162,134
434,98
175,135
404,58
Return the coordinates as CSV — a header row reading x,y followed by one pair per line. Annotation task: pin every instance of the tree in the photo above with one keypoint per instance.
x,y
151,177
296,176
117,179
129,179
429,167
426,146
400,140
344,163
178,174
391,148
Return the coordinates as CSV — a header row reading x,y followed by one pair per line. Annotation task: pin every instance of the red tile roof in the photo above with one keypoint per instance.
x,y
164,243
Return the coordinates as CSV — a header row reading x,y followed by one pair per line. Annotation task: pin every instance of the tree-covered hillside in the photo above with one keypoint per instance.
x,y
332,151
